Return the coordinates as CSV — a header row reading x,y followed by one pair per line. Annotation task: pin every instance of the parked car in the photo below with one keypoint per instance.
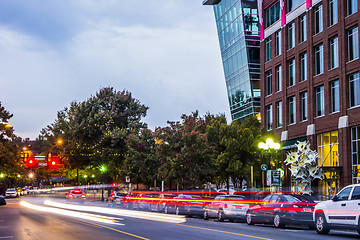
x,y
159,204
341,212
116,198
281,210
76,194
11,192
2,200
185,205
130,200
230,207
144,200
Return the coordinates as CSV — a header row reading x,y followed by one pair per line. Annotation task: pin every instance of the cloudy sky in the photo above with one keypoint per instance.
x,y
53,52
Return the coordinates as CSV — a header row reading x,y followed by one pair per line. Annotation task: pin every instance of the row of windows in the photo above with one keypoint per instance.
x,y
272,14
353,49
319,93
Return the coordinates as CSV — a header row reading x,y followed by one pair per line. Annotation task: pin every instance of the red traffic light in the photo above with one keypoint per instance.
x,y
53,162
31,162
114,184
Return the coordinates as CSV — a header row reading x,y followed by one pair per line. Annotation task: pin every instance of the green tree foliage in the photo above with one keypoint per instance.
x,y
184,152
94,131
240,140
141,162
10,162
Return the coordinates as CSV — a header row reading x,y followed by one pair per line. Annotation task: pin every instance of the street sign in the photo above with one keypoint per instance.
x,y
42,164
127,179
275,178
263,167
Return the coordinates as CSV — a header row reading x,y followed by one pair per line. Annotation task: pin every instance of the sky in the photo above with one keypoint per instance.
x,y
54,52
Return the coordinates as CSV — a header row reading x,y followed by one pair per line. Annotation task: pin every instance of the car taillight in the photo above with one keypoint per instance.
x,y
83,196
225,206
70,195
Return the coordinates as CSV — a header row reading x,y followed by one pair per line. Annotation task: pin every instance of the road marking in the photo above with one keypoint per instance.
x,y
6,237
233,233
116,230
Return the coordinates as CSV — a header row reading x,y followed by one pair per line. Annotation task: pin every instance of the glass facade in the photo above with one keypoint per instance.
x,y
355,149
328,150
238,28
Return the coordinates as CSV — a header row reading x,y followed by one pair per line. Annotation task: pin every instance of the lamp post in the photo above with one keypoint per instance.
x,y
268,146
102,170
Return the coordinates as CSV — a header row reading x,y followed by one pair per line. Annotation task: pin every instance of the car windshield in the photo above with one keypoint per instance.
x,y
11,190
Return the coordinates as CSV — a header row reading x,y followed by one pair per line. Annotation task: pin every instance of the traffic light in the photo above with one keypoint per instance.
x,y
53,162
30,162
114,184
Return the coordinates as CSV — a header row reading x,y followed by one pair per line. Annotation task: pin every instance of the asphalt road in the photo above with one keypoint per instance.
x,y
23,222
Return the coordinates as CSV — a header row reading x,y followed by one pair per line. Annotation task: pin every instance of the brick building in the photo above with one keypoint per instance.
x,y
310,85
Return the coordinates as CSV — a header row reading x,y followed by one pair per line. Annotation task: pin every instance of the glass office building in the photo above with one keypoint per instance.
x,y
237,23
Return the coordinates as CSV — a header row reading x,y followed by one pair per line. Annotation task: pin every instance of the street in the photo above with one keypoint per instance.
x,y
18,221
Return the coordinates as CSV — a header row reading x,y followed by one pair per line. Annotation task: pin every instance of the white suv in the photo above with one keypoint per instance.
x,y
341,212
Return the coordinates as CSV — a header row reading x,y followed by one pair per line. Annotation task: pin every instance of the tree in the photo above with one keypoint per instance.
x,y
141,162
94,131
184,152
240,140
10,162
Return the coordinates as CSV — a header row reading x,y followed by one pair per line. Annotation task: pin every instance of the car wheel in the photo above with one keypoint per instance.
x,y
177,211
249,219
278,222
206,215
220,216
321,226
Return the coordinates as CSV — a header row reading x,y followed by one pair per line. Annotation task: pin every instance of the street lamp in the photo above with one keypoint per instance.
x,y
268,146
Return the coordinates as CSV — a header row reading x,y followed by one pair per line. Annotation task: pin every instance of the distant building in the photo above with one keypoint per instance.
x,y
237,23
310,86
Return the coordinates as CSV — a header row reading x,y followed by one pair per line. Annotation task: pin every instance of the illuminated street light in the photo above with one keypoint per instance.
x,y
8,125
18,175
31,175
60,141
1,175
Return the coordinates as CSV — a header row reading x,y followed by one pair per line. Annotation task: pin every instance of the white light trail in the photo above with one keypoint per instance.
x,y
121,212
86,216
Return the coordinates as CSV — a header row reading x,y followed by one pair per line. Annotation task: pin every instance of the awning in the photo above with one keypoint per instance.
x,y
291,143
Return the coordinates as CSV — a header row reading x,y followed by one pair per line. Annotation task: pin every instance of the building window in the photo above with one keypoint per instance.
x,y
292,4
278,43
355,149
318,19
303,28
268,75
278,79
304,106
292,110
334,53
352,6
268,49
269,121
328,150
319,59
291,35
303,67
353,37
279,114
354,89
320,101
292,72
335,97
333,12
272,14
